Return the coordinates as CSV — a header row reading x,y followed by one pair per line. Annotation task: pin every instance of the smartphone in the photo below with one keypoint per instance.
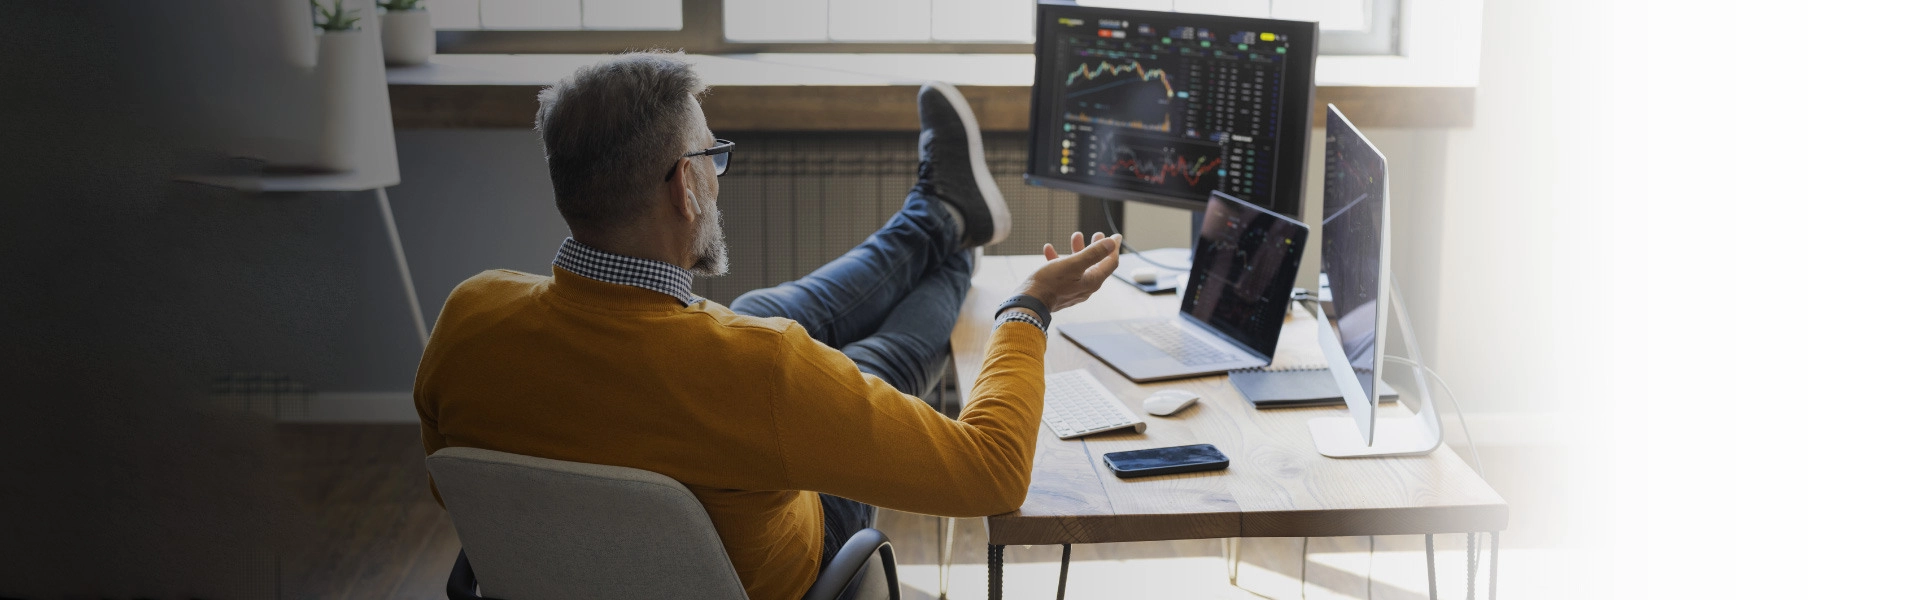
x,y
1166,461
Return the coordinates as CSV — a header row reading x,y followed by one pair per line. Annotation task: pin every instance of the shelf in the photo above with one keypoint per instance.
x,y
868,92
358,181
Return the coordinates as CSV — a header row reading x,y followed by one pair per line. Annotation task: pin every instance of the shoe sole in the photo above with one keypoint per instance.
x,y
976,150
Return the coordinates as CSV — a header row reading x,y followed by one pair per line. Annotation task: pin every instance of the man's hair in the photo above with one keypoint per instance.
x,y
613,129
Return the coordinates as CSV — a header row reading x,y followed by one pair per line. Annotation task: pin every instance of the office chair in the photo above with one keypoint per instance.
x,y
538,529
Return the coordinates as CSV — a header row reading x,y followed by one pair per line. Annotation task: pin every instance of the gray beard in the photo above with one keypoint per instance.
x,y
710,246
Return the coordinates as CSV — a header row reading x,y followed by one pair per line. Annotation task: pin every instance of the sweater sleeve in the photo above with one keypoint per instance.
x,y
847,433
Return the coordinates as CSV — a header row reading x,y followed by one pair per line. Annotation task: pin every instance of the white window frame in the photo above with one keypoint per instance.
x,y
703,32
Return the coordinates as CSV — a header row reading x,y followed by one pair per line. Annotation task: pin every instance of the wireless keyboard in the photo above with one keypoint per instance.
x,y
1078,405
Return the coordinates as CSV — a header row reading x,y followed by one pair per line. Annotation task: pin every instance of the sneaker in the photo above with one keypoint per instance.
x,y
953,166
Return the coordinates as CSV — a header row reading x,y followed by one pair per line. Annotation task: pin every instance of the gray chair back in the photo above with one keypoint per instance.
x,y
537,529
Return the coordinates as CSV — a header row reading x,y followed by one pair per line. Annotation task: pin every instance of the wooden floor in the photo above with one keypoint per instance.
x,y
370,529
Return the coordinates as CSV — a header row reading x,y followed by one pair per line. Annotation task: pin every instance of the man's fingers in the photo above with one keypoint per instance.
x,y
1105,267
1079,242
1096,252
1049,252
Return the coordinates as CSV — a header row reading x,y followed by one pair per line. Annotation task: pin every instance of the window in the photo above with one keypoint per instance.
x,y
880,20
555,15
1346,26
730,26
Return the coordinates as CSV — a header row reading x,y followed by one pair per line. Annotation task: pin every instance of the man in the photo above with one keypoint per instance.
x,y
789,414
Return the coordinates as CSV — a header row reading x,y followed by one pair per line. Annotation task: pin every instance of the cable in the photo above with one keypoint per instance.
x,y
1471,448
1473,550
1107,206
1493,570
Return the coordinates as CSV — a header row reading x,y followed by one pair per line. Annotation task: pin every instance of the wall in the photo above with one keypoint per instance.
x,y
1471,241
479,199
1474,221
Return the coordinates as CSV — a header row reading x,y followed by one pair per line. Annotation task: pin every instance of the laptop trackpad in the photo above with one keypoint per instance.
x,y
1123,347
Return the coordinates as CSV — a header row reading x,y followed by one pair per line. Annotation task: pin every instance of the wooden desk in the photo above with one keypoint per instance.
x,y
1277,486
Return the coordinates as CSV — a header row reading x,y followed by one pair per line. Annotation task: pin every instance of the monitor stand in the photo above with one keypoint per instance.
x,y
1339,437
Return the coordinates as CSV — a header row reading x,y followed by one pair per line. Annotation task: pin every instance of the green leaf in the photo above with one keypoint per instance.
x,y
337,19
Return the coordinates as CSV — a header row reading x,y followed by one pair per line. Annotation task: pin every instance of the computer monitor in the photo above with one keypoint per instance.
x,y
1353,267
1356,293
1167,108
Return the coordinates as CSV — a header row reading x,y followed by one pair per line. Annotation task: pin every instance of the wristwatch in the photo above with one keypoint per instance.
x,y
1029,303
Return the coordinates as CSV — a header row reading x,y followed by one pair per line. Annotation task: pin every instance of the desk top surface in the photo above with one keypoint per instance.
x,y
1277,486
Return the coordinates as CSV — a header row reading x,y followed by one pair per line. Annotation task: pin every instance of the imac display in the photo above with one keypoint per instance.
x,y
1353,262
1167,108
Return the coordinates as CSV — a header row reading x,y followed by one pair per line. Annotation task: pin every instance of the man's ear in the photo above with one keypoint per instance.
x,y
680,191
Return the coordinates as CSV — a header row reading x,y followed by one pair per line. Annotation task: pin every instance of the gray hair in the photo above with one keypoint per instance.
x,y
613,129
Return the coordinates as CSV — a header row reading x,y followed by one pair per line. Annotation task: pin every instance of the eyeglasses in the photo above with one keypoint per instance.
x,y
720,152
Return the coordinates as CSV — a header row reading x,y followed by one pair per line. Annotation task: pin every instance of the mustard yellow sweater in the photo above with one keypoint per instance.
x,y
751,414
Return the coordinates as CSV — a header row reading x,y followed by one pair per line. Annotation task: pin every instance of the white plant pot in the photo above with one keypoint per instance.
x,y
406,36
339,64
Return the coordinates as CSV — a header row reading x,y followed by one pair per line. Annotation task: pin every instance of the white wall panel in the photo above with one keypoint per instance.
x,y
454,14
983,20
663,15
530,14
880,20
776,20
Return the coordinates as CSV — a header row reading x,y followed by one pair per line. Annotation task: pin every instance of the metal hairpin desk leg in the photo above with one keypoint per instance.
x,y
996,553
1303,568
1473,560
945,533
1066,555
1231,547
1433,584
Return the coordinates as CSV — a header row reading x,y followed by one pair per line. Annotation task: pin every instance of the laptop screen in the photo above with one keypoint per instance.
x,y
1243,269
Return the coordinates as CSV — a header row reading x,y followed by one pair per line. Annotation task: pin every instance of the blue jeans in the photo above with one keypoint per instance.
x,y
890,305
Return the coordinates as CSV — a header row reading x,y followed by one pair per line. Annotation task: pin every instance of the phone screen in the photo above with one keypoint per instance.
x,y
1136,460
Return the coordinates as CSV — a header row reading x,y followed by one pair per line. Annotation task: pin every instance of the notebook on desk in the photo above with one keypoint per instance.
x,y
1278,387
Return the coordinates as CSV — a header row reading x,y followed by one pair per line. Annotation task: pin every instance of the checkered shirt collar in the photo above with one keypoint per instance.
x,y
585,261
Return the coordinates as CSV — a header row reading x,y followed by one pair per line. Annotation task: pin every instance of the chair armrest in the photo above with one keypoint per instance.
x,y
847,566
461,584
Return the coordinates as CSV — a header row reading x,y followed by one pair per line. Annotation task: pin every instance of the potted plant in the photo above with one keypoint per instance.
x,y
338,37
406,32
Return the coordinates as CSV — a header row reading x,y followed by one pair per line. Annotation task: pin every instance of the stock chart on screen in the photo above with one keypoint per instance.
x,y
1170,106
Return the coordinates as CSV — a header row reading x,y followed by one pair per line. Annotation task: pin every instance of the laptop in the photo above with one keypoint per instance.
x,y
1238,291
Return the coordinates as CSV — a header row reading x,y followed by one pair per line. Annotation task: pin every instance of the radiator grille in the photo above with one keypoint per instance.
x,y
793,202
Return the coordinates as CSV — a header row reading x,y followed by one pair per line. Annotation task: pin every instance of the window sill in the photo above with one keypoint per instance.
x,y
874,92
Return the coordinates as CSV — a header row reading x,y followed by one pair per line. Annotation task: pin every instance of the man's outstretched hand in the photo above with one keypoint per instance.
x,y
1064,282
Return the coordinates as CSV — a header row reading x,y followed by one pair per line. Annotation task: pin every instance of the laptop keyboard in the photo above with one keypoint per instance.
x,y
1180,345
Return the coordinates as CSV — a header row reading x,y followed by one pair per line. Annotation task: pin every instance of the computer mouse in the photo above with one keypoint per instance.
x,y
1145,275
1167,402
